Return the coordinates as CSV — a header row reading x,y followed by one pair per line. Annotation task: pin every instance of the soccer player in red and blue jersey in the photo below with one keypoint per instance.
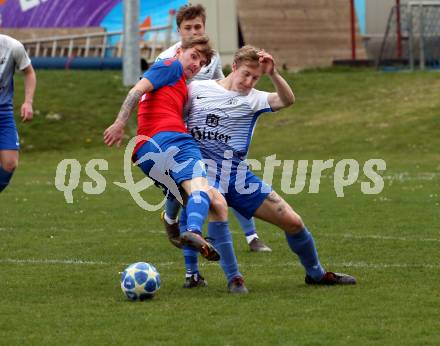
x,y
167,150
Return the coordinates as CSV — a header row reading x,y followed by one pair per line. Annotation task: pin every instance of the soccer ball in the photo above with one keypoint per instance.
x,y
140,281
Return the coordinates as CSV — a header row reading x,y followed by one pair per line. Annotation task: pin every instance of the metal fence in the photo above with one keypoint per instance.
x,y
412,36
101,44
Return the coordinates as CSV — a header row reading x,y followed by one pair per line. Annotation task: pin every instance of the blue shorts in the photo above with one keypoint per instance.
x,y
8,133
169,158
244,191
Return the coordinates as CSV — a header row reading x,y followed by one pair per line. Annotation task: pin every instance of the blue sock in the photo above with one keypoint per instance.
x,y
172,207
248,226
303,245
190,254
197,209
5,178
183,220
221,238
191,260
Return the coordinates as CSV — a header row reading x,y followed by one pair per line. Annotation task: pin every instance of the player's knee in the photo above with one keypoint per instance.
x,y
219,208
295,224
9,165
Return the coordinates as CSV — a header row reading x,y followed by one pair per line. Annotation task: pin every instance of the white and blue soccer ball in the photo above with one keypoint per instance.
x,y
140,281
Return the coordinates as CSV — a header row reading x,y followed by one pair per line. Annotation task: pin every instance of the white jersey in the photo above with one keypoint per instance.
x,y
212,71
12,56
221,120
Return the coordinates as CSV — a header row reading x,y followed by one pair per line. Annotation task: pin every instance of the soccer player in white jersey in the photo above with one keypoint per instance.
x,y
13,56
221,117
190,20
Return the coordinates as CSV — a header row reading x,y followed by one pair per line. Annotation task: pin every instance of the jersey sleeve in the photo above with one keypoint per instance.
x,y
20,56
218,72
168,53
164,72
258,101
191,94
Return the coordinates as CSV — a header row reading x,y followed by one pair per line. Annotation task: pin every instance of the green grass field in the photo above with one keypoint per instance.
x,y
59,262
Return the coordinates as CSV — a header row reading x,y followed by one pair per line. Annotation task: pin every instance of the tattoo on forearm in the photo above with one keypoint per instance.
x,y
129,104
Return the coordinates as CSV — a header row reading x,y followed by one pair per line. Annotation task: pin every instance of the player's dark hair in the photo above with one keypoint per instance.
x,y
202,44
188,12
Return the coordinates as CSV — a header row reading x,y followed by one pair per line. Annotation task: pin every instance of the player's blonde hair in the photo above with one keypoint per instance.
x,y
202,44
247,54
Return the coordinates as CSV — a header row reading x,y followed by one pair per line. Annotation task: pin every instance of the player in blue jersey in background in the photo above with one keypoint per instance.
x,y
13,56
190,20
221,117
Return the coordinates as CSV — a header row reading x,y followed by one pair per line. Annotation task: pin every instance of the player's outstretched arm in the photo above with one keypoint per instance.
x,y
30,83
115,132
283,97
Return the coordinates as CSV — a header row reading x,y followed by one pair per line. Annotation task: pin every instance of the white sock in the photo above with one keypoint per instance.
x,y
251,237
168,220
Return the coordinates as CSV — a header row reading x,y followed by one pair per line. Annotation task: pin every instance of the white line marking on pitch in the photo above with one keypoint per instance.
x,y
379,237
203,264
362,237
51,261
343,264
